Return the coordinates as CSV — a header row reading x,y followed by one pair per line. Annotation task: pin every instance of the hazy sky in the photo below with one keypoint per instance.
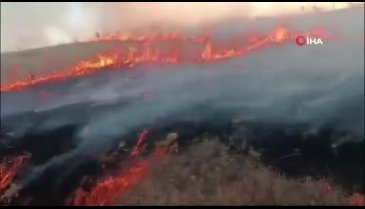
x,y
29,24
34,24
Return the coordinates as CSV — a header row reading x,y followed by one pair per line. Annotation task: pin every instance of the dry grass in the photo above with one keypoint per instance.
x,y
207,174
41,60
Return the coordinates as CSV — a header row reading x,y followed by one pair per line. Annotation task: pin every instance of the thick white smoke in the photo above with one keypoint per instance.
x,y
31,25
311,84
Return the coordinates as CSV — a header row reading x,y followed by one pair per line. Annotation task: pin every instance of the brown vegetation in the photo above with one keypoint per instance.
x,y
207,174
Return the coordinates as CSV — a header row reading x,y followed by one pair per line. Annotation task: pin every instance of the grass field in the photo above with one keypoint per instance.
x,y
208,174
49,58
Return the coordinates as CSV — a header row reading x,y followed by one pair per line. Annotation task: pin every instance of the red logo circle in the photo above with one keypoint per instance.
x,y
300,40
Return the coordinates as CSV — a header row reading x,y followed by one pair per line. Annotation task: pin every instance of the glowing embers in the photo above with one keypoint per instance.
x,y
357,199
9,168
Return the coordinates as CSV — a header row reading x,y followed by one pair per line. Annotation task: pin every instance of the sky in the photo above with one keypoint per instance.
x,y
27,25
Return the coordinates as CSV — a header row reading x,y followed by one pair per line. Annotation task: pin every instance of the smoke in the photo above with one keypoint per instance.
x,y
185,14
319,86
309,84
32,25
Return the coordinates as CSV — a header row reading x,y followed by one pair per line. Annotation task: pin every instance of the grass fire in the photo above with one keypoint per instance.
x,y
199,109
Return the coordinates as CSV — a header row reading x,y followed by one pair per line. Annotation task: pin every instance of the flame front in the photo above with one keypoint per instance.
x,y
357,199
9,170
148,52
108,190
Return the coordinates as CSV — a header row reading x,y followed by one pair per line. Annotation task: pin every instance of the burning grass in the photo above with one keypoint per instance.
x,y
204,172
148,51
208,174
9,169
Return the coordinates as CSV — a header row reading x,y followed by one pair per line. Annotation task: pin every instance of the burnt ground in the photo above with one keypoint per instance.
x,y
288,149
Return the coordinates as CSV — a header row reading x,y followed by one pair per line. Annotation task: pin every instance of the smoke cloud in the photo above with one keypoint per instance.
x,y
32,25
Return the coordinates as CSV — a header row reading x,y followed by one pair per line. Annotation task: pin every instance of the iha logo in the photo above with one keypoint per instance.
x,y
303,40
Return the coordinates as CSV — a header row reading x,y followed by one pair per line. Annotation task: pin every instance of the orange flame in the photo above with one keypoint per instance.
x,y
357,200
167,37
10,168
138,148
108,190
149,54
